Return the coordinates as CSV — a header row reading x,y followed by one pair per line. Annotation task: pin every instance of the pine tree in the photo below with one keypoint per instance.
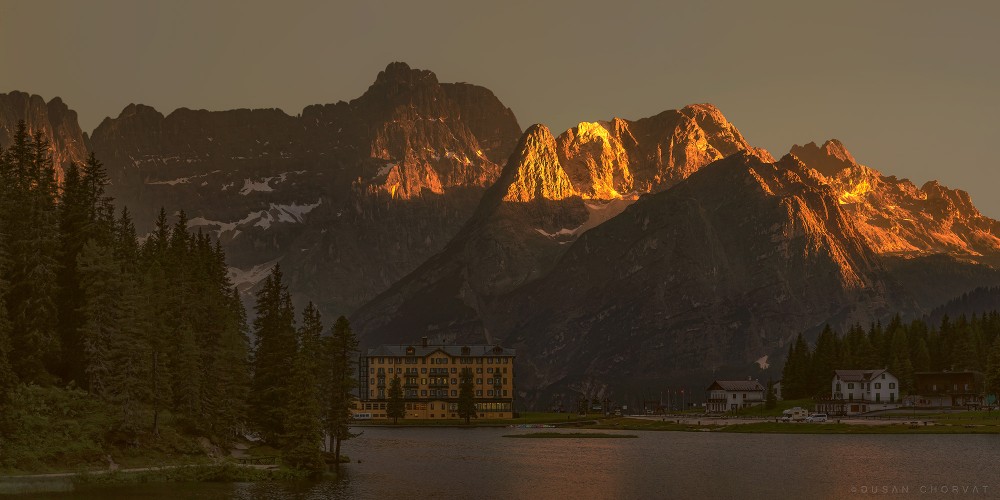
x,y
157,313
771,400
993,369
303,424
31,222
101,284
467,398
274,355
342,347
395,408
824,361
900,364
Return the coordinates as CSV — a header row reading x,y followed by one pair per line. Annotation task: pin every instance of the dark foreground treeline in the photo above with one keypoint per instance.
x,y
90,319
962,344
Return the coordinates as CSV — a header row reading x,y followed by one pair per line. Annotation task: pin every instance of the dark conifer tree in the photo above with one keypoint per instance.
x,y
395,408
467,397
303,419
273,358
342,347
32,223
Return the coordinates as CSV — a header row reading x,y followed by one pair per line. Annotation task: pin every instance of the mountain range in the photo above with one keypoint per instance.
x,y
615,256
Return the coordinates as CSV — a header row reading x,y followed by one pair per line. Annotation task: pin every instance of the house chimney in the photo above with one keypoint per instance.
x,y
423,341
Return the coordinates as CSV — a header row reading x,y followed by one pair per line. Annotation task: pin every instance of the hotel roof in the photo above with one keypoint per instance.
x,y
451,350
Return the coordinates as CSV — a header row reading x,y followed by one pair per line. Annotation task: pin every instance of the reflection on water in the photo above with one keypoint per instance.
x,y
479,463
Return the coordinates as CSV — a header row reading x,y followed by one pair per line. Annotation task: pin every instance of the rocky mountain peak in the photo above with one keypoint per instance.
x,y
830,159
534,170
398,77
54,119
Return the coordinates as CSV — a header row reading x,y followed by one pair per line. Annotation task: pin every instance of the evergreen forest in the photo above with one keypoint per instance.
x,y
138,350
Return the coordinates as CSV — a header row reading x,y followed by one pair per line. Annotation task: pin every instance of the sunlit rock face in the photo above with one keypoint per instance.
x,y
895,216
349,197
693,280
551,191
53,119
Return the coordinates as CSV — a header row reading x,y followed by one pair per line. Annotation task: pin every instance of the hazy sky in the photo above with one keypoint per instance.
x,y
912,88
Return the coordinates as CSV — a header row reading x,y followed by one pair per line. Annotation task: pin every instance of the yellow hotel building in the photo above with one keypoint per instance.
x,y
430,376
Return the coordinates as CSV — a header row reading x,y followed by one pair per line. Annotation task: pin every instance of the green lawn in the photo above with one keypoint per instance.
x,y
568,435
805,428
524,418
760,411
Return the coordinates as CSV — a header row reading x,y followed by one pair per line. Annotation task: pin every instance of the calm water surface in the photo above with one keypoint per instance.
x,y
480,463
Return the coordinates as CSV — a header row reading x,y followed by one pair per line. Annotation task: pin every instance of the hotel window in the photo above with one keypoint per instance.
x,y
838,387
454,381
479,381
373,371
850,386
892,385
423,370
372,381
878,385
423,381
454,393
878,396
489,392
489,370
479,393
505,392
423,392
479,370
454,370
734,395
505,370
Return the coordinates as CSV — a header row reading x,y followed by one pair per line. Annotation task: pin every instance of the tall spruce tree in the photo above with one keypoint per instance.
x,y
32,223
467,398
303,419
993,369
395,408
273,359
342,347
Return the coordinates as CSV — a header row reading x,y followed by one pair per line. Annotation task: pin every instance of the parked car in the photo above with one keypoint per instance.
x,y
816,417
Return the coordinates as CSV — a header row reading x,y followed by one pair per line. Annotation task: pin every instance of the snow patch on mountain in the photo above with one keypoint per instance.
x,y
293,213
182,180
246,279
263,185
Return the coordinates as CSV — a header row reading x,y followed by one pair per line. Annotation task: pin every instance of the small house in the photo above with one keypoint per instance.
x,y
731,395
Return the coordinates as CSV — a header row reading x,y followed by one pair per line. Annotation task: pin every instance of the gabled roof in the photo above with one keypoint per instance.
x,y
859,375
451,350
736,385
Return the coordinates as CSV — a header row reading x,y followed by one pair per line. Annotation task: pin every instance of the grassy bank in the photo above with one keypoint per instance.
x,y
221,472
569,435
53,430
527,418
901,428
954,426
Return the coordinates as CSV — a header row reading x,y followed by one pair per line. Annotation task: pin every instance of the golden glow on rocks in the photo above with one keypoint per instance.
x,y
855,193
893,215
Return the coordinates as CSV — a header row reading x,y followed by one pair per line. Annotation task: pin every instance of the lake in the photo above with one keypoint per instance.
x,y
480,463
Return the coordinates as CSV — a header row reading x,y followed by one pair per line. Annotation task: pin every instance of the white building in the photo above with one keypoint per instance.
x,y
861,391
729,395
